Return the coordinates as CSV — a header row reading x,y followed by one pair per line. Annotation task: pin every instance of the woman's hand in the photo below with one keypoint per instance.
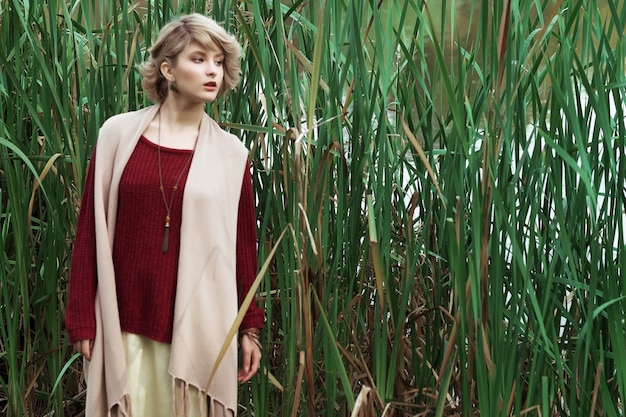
x,y
251,355
84,347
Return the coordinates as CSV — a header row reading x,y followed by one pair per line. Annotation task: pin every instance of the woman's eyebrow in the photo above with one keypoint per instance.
x,y
198,51
206,52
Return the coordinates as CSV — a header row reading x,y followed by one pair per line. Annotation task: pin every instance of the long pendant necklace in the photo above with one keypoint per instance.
x,y
168,206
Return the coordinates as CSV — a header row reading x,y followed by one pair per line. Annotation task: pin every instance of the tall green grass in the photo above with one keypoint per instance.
x,y
453,201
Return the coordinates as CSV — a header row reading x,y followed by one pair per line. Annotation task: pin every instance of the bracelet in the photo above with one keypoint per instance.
x,y
253,334
251,331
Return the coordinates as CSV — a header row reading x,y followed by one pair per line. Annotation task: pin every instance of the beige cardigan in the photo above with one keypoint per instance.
x,y
206,292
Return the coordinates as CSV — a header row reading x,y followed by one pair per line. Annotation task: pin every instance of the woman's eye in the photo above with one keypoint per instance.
x,y
219,62
197,60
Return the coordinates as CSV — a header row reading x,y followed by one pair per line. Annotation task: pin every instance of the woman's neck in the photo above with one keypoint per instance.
x,y
176,126
181,117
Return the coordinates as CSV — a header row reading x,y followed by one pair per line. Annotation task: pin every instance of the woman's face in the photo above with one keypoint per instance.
x,y
198,73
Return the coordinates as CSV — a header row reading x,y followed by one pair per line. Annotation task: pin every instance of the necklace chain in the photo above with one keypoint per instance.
x,y
168,206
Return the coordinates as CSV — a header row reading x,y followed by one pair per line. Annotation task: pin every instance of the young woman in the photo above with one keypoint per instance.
x,y
165,248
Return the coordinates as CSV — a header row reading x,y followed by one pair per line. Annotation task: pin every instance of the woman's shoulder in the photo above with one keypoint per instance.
x,y
119,130
225,137
126,120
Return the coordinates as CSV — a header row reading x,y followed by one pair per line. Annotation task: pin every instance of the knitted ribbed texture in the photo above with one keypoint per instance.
x,y
146,277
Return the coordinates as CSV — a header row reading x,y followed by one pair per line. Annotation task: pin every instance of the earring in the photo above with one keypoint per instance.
x,y
173,86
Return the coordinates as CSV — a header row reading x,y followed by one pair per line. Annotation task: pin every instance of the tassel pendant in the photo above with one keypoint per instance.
x,y
166,235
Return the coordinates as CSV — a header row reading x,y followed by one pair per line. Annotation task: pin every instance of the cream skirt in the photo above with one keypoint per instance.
x,y
151,384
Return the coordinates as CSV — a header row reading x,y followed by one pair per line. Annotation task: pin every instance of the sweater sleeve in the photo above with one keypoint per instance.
x,y
247,252
80,320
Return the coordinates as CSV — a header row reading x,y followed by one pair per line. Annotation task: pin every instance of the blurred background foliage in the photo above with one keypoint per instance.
x,y
443,180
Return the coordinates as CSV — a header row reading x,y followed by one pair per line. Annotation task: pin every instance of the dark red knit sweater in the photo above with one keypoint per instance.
x,y
145,277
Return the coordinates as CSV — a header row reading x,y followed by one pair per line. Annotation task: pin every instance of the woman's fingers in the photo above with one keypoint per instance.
x,y
84,347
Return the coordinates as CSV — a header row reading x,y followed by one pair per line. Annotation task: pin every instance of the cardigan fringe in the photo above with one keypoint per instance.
x,y
205,403
124,408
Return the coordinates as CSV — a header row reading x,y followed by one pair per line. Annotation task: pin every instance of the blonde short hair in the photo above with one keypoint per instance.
x,y
174,37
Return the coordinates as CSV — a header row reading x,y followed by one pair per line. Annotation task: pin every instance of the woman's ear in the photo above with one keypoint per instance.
x,y
166,71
